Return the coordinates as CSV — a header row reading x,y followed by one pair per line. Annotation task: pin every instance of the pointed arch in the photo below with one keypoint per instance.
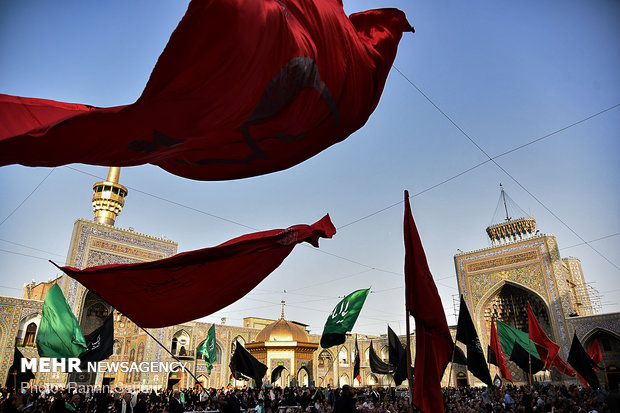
x,y
608,340
343,355
482,317
325,359
180,342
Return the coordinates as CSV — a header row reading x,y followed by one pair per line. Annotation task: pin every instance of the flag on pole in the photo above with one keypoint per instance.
x,y
21,376
595,353
547,349
234,268
459,357
397,357
243,363
583,364
208,349
59,334
433,340
223,103
342,318
376,364
100,342
522,358
356,362
496,353
508,336
466,334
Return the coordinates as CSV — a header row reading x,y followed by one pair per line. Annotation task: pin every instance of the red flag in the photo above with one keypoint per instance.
x,y
547,349
194,284
563,367
433,340
595,353
243,88
500,358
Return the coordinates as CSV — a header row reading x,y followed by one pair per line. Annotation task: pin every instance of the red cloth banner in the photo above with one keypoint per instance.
x,y
243,88
433,340
500,357
194,284
595,353
547,349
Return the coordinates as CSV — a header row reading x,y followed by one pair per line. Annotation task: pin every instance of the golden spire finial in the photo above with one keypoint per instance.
x,y
109,197
283,304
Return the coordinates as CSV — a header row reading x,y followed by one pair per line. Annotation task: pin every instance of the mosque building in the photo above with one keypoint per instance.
x,y
524,266
98,242
521,266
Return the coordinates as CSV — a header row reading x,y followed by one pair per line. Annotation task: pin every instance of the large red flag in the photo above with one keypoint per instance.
x,y
547,349
194,284
433,340
498,352
243,88
595,353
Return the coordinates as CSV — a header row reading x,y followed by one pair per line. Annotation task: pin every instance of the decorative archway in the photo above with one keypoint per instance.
x,y
609,342
385,354
94,312
180,342
371,380
508,301
303,376
343,380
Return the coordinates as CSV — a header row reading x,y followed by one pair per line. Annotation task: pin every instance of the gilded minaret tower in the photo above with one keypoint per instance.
x,y
108,197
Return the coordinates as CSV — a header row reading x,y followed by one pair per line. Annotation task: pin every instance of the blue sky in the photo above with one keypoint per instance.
x,y
504,73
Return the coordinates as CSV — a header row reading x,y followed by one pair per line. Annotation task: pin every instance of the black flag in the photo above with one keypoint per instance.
x,y
242,362
100,343
275,374
491,356
356,362
377,365
583,364
22,376
522,359
459,356
466,334
398,357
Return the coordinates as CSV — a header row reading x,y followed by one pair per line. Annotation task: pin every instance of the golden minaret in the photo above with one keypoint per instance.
x,y
109,197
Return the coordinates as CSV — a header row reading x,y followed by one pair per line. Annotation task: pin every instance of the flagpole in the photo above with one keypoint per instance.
x,y
173,356
529,357
451,364
330,367
409,375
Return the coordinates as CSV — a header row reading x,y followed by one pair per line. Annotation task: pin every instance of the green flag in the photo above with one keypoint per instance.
x,y
508,336
59,334
342,318
207,348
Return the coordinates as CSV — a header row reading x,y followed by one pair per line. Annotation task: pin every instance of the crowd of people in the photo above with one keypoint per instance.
x,y
538,398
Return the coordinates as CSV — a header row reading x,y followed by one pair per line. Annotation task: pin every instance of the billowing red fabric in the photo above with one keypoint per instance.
x,y
563,367
433,340
500,357
547,349
243,88
194,284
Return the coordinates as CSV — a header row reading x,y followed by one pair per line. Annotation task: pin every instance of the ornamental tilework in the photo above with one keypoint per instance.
x,y
85,231
549,271
587,324
529,276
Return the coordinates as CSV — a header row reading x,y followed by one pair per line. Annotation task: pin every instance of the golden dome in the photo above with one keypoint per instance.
x,y
282,330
